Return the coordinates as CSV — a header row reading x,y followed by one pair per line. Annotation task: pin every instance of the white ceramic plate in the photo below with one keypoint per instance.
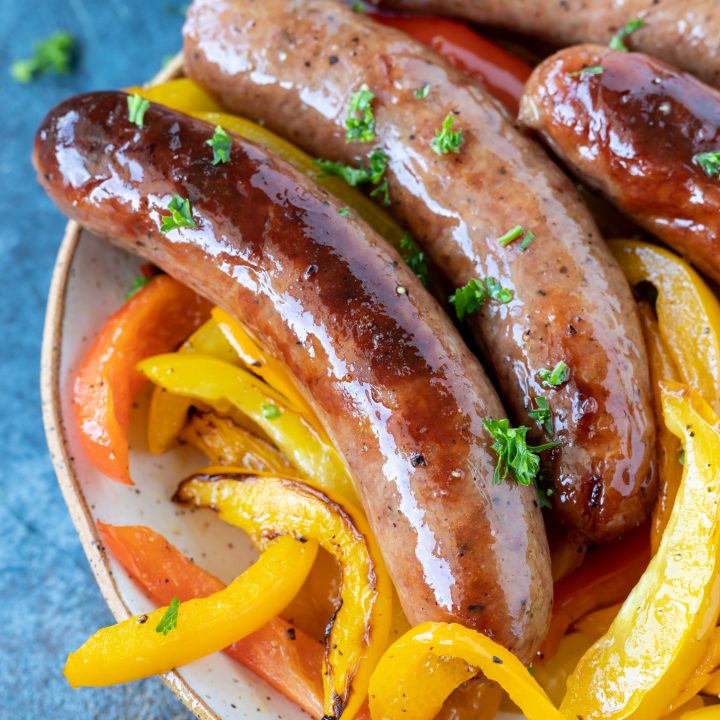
x,y
90,281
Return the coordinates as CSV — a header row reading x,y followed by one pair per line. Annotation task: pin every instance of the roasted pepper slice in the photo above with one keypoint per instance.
x,y
688,313
180,94
285,657
358,632
222,385
401,687
664,628
137,648
156,319
552,674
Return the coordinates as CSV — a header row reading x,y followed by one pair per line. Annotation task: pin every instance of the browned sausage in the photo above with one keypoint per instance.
x,y
685,33
400,394
632,131
294,65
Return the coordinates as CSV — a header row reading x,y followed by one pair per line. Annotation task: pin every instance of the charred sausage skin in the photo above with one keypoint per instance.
x,y
401,396
294,66
685,33
632,131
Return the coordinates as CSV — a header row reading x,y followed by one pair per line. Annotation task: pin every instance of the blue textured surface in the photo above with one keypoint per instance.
x,y
48,599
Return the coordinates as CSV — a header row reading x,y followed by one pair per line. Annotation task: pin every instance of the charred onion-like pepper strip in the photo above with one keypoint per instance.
x,y
606,577
224,386
154,320
399,686
283,656
688,313
664,628
358,632
135,648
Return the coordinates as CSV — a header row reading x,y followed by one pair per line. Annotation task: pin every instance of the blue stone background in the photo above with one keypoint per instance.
x,y
48,599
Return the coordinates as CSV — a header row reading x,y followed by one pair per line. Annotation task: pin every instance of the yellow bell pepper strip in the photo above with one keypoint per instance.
x,y
712,712
168,413
668,446
476,699
552,673
598,622
137,648
272,371
180,94
712,686
693,704
155,319
222,386
701,674
357,633
225,443
687,310
398,685
665,626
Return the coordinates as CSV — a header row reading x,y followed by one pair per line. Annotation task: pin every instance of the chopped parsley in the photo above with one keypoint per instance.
x,y
592,70
52,55
544,495
681,457
422,92
446,139
220,143
360,121
271,411
555,377
358,7
383,190
510,235
180,215
543,414
709,162
361,175
527,239
470,298
415,258
344,211
137,284
137,107
169,620
515,457
617,40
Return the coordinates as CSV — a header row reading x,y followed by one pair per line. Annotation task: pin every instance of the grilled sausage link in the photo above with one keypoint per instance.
x,y
400,394
684,33
635,131
295,65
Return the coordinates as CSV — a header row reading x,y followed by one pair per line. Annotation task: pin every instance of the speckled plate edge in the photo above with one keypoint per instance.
x,y
50,361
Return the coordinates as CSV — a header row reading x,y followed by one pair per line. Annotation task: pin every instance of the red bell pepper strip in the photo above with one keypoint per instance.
x,y
155,320
285,657
502,73
606,577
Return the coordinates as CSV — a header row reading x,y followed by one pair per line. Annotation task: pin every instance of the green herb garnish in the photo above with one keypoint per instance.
x,y
220,143
528,237
360,121
137,284
362,175
542,414
137,107
383,190
593,70
515,457
510,235
344,211
555,377
180,215
358,7
617,40
271,411
470,298
52,55
423,91
446,139
415,258
681,457
169,620
544,495
709,162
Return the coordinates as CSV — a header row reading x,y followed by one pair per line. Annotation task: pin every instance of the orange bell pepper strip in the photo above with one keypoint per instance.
x,y
606,577
172,636
502,73
154,320
665,627
420,669
285,657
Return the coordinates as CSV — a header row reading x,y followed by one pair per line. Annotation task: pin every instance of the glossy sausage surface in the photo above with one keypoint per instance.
x,y
295,65
399,393
685,33
632,131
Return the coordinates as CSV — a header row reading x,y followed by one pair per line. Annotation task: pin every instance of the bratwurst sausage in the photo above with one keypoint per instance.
x,y
399,393
683,33
637,130
295,66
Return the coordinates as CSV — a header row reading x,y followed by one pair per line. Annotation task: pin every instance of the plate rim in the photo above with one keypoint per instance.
x,y
54,428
